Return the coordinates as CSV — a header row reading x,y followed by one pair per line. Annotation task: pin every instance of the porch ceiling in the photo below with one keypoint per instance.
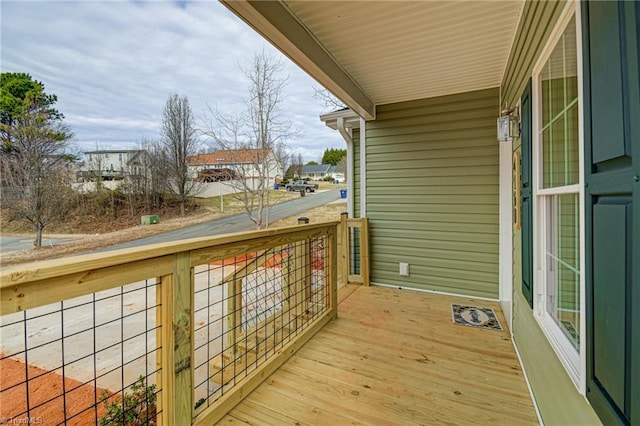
x,y
379,52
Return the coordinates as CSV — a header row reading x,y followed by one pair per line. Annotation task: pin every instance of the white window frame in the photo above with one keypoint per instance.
x,y
573,361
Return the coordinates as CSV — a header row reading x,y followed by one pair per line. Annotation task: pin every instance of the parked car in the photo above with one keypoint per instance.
x,y
301,185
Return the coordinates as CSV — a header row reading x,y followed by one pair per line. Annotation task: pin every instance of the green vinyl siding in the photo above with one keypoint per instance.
x,y
356,172
432,193
535,27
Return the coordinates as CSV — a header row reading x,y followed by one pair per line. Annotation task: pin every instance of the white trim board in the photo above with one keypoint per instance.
x,y
363,168
422,290
505,253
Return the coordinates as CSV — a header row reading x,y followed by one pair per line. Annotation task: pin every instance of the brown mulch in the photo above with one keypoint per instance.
x,y
45,397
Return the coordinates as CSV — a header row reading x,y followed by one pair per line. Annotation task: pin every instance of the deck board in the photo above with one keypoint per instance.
x,y
395,357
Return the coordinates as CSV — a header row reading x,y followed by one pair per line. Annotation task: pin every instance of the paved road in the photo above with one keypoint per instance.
x,y
8,244
237,223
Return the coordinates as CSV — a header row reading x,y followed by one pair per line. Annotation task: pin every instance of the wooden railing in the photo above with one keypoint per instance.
x,y
190,300
354,250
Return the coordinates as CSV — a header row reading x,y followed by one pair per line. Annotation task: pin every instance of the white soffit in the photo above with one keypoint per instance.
x,y
404,50
351,119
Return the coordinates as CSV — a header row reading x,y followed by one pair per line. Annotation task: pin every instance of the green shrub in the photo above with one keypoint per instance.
x,y
137,409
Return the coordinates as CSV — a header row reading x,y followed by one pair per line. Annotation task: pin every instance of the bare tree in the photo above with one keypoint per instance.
x,y
327,99
256,137
95,166
145,185
282,155
154,166
179,142
295,169
35,172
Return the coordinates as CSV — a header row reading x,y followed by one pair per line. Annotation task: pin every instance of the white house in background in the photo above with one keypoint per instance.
x,y
114,164
245,162
338,177
321,171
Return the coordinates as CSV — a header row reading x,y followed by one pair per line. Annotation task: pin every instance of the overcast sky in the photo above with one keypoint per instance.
x,y
113,64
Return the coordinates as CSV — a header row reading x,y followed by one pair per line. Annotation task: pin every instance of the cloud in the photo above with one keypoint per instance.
x,y
114,63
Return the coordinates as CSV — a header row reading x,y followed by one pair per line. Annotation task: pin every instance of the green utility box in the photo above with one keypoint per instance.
x,y
150,219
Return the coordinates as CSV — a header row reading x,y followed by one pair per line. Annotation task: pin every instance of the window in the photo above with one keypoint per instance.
x,y
562,260
558,196
559,104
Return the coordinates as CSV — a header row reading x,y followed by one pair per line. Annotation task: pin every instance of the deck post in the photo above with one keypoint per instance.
x,y
237,312
308,267
357,250
302,272
343,249
177,337
161,350
364,251
234,311
332,269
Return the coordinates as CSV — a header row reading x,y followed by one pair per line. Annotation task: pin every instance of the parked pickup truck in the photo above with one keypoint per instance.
x,y
301,185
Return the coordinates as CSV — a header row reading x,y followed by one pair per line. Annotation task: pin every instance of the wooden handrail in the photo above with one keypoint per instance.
x,y
28,272
36,284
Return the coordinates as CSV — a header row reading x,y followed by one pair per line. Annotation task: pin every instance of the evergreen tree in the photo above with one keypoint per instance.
x,y
33,159
333,156
18,94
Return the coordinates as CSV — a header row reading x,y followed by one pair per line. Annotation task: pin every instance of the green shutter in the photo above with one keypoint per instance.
x,y
525,188
612,210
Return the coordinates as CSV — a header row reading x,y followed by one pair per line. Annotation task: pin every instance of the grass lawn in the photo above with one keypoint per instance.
x,y
232,204
328,185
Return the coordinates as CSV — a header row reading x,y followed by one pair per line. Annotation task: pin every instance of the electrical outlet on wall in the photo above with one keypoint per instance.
x,y
404,269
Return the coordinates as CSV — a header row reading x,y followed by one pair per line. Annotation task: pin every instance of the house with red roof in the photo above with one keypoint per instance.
x,y
247,163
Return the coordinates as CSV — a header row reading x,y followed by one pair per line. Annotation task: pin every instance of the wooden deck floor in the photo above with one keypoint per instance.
x,y
394,357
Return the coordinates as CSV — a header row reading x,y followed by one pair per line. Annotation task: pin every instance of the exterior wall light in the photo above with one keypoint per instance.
x,y
508,126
